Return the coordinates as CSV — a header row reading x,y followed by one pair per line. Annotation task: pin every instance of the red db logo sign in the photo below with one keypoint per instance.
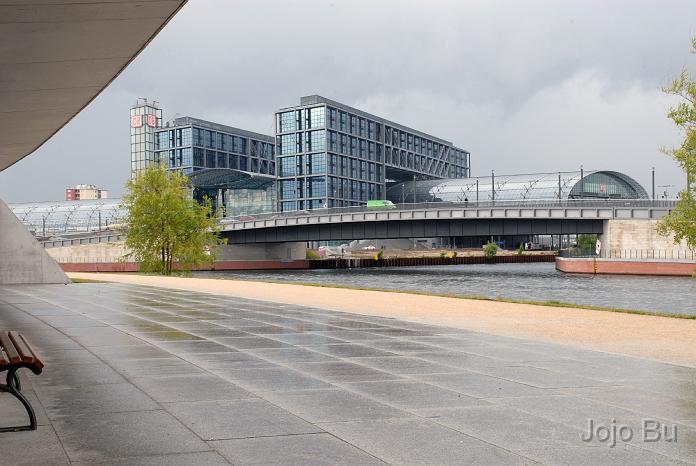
x,y
136,121
151,120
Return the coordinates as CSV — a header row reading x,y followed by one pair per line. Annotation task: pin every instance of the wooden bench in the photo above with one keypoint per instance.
x,y
15,353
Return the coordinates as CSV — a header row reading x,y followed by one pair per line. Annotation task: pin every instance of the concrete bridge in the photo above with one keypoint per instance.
x,y
427,220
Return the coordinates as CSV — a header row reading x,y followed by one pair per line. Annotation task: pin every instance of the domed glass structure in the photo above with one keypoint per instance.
x,y
527,187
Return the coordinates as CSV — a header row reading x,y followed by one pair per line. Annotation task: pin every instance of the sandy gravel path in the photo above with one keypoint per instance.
x,y
660,338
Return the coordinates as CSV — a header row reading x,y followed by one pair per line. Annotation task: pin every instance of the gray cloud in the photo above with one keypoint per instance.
x,y
525,86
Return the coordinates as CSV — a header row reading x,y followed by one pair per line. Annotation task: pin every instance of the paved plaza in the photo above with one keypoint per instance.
x,y
141,375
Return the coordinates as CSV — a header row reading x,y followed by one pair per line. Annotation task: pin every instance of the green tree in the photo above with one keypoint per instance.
x,y
167,230
587,242
681,222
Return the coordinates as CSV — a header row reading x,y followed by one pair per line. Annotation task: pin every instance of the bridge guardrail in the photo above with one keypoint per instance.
x,y
58,243
526,204
529,203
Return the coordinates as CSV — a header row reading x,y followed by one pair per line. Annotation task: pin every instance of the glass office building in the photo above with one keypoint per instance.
x,y
232,167
189,144
145,118
333,155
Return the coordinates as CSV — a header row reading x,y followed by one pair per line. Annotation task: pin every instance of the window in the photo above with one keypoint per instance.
x,y
316,163
186,137
288,189
221,160
209,139
287,121
333,164
288,144
288,206
332,118
333,141
210,159
162,140
317,117
316,186
288,166
197,137
198,157
317,140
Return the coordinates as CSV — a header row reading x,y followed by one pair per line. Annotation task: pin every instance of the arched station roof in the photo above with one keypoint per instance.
x,y
536,186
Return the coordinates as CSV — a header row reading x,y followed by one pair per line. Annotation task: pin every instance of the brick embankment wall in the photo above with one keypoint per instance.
x,y
624,267
421,261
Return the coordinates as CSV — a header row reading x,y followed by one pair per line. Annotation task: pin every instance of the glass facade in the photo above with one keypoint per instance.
x,y
53,218
145,118
189,144
332,155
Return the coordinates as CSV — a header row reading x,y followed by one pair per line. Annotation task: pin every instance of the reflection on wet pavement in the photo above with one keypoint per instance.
x,y
138,374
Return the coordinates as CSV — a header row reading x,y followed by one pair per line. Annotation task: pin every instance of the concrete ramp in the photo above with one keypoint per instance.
x,y
22,259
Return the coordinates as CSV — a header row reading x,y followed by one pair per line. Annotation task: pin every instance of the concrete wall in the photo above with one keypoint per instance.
x,y
100,252
262,251
112,252
637,235
22,259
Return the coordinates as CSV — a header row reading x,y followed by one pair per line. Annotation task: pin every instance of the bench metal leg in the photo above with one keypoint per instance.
x,y
13,380
12,388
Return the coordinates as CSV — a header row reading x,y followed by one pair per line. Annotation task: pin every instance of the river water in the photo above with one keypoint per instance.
x,y
533,282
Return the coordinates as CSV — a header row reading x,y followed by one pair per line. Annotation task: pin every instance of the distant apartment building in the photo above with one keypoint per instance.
x,y
333,155
83,192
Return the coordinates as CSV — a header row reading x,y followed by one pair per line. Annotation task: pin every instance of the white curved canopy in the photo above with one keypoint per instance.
x,y
58,55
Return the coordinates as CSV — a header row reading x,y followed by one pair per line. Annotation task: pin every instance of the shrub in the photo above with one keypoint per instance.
x,y
490,250
312,255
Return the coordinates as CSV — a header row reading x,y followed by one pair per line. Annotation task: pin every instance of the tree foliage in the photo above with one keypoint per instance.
x,y
587,242
682,220
490,250
167,230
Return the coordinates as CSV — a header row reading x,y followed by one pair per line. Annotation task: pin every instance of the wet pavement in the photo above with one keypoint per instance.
x,y
139,375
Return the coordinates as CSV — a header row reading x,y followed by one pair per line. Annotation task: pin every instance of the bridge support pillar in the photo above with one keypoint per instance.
x,y
262,251
22,259
636,235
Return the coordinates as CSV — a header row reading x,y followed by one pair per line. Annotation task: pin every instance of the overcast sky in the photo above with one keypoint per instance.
x,y
525,86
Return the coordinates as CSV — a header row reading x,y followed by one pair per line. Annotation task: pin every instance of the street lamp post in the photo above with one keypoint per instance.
x,y
653,183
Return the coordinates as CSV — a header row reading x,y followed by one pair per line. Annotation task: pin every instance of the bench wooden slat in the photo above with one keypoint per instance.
x,y
3,359
10,350
37,360
24,352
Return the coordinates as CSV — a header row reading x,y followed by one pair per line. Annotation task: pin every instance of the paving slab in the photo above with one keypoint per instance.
x,y
215,420
294,450
332,405
110,436
417,441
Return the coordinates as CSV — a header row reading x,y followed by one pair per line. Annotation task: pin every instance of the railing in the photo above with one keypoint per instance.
x,y
106,238
633,254
88,260
527,203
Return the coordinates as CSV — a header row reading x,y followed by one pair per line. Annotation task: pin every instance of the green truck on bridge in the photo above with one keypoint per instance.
x,y
381,204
